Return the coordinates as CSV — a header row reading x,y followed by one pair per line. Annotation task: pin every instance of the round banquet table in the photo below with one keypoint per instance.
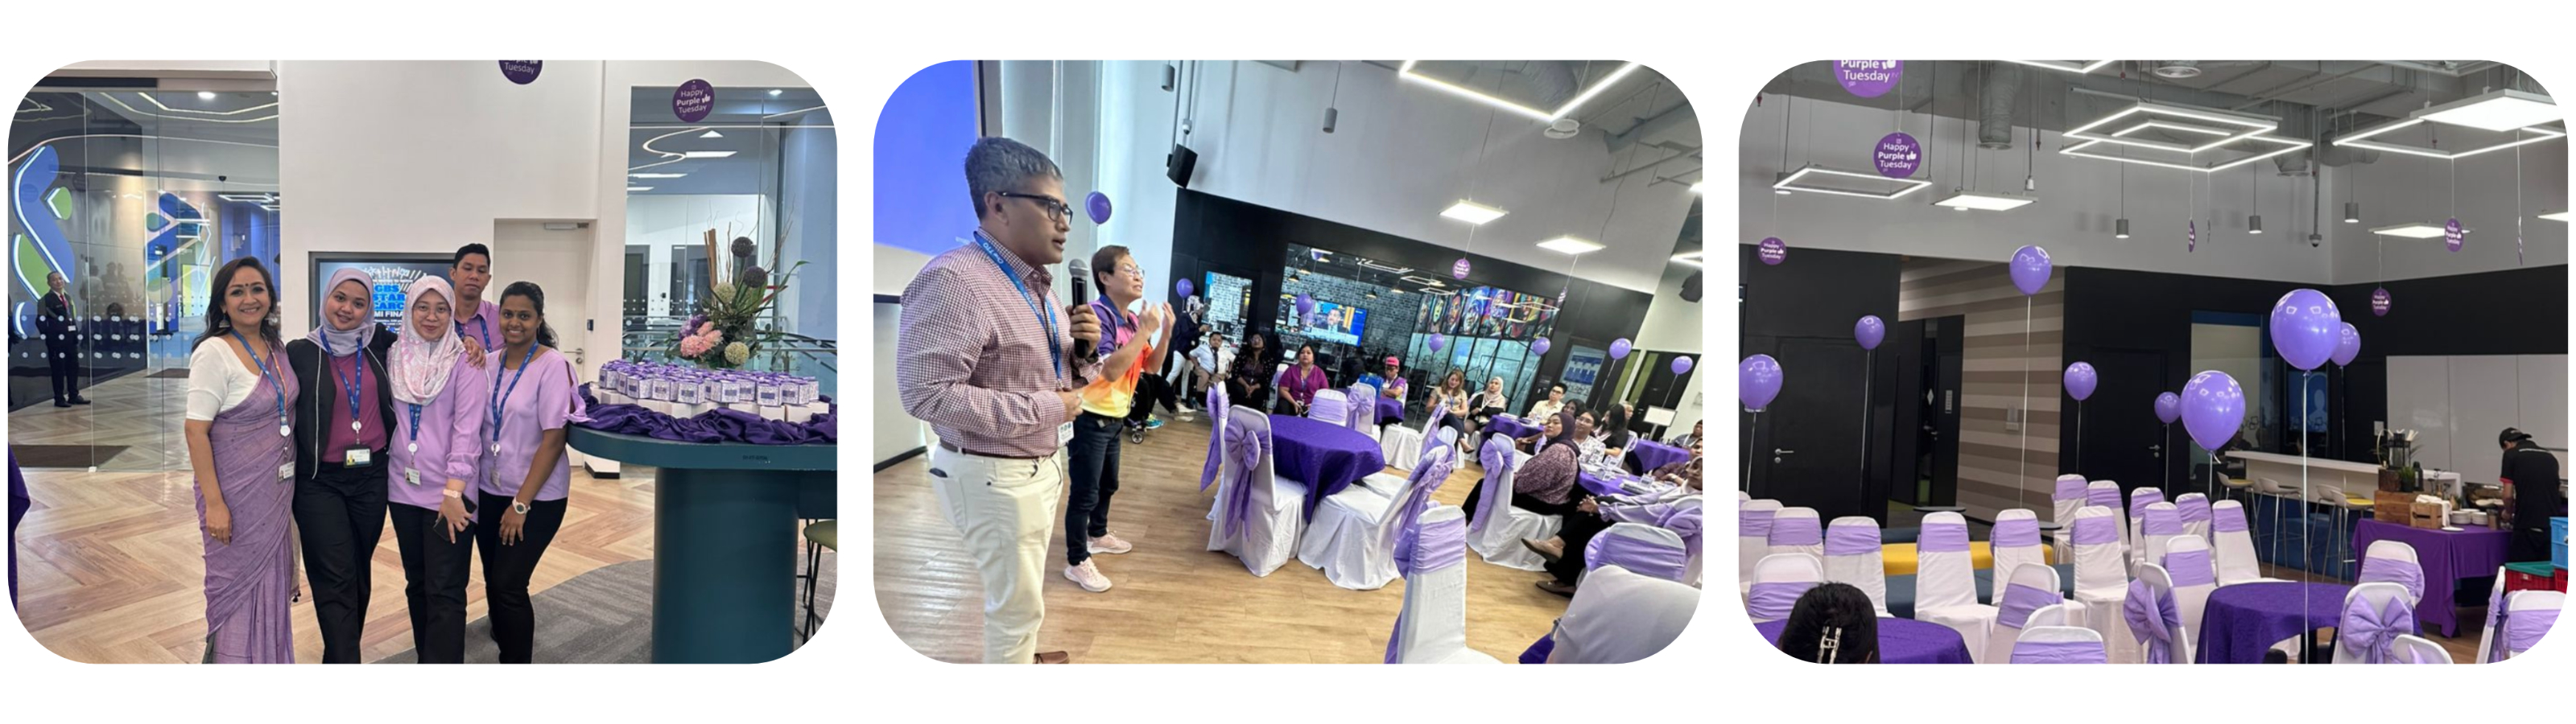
x,y
1611,483
1512,427
1324,456
2244,620
1648,454
1900,641
1390,411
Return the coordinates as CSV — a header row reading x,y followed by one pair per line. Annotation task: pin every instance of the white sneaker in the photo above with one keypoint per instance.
x,y
1109,544
1088,576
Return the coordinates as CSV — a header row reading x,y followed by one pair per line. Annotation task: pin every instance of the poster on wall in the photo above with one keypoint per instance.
x,y
393,274
1485,312
1582,369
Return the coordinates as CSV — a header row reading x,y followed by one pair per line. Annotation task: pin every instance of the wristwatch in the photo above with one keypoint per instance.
x,y
518,507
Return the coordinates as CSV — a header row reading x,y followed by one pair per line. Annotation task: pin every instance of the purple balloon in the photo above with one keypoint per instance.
x,y
2030,269
2305,328
1184,287
1870,330
1757,381
1772,251
2379,302
2347,345
1681,365
1305,304
1539,346
1435,341
2212,408
1098,204
1619,348
2168,407
2081,379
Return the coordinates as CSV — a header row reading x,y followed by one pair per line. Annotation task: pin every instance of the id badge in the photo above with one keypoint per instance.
x,y
286,470
1063,434
358,457
412,477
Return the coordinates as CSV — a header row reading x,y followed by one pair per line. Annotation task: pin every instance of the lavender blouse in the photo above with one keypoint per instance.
x,y
541,401
450,438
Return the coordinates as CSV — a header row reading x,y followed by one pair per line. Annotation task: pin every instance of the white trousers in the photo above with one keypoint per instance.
x,y
1006,511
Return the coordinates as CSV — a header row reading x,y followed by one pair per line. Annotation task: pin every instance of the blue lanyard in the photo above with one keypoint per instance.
x,y
499,396
280,387
351,387
483,328
415,422
1045,314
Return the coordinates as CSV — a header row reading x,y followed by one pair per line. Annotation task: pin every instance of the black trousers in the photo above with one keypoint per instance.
x,y
1093,479
1577,532
1149,390
506,569
339,516
64,364
2528,543
1524,502
434,575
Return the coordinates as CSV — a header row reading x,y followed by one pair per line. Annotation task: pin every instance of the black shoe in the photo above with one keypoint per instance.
x,y
1556,588
58,402
79,400
1542,552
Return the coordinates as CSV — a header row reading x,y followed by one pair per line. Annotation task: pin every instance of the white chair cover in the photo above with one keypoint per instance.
x,y
2159,523
2015,540
2059,645
2195,514
2374,615
1258,514
1217,410
2027,588
1945,582
1497,531
2188,567
2232,544
2413,649
1432,627
1330,406
1402,446
1778,581
2528,616
1688,520
1753,536
2101,571
2134,528
2495,608
1385,483
2049,616
1852,556
1354,535
1640,548
2154,632
2390,561
1438,412
2106,494
2068,498
1362,409
1796,530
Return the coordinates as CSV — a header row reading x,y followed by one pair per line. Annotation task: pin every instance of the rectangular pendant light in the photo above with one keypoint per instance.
x,y
1472,212
1983,201
1690,257
2078,67
709,154
2279,146
2415,230
2536,134
2238,126
1570,246
1406,72
655,175
2502,110
2560,216
1791,182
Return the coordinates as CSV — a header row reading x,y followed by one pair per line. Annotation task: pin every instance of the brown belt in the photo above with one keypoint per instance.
x,y
952,447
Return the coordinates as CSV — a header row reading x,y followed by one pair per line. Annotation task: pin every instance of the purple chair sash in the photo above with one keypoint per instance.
x,y
1755,523
2016,533
2523,629
1942,538
2019,601
1430,430
1429,547
1796,531
1685,522
2190,568
1216,405
2374,632
1248,447
1363,407
2194,509
2143,497
2094,532
2391,570
2153,618
1497,456
2069,487
1772,600
2232,521
2108,497
1851,540
1428,475
2162,522
1640,556
2059,652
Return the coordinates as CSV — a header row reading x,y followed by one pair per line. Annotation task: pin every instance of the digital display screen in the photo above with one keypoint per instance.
x,y
1336,323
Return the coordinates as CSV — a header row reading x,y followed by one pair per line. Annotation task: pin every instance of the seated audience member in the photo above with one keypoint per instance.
x,y
1614,434
1554,403
1564,553
1689,439
1833,623
1487,404
1546,483
1624,617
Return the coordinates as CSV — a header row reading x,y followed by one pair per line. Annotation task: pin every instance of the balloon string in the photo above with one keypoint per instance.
x,y
2022,485
1751,429
1868,365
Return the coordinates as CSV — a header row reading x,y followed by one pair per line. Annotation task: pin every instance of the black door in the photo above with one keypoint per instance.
x,y
1810,449
1910,413
1662,388
2120,438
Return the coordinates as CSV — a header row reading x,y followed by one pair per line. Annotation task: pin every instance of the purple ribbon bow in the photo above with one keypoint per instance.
x,y
1497,455
1428,474
1216,405
2153,618
1431,432
1248,447
2374,631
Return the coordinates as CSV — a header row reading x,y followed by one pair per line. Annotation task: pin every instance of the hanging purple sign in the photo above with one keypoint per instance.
x,y
1459,270
1773,251
522,72
1869,78
693,100
2191,236
1898,156
2452,236
2379,302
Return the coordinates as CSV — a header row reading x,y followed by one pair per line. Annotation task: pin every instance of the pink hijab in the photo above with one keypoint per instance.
x,y
421,366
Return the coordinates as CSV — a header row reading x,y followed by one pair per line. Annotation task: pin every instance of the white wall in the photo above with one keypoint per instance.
x,y
895,268
895,430
2457,404
1673,324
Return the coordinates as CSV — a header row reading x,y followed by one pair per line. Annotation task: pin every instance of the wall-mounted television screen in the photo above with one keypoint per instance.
x,y
1337,323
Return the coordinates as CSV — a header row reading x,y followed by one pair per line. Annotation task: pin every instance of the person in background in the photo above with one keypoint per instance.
x,y
1126,350
1179,380
478,320
1622,617
1333,322
436,457
2531,497
1297,384
1248,383
1547,408
527,482
984,353
1452,394
1689,439
1614,436
1833,623
1545,483
1487,404
61,330
239,446
1686,472
1208,365
1564,552
341,434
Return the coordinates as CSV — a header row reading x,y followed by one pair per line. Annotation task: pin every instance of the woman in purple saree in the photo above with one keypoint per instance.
x,y
239,392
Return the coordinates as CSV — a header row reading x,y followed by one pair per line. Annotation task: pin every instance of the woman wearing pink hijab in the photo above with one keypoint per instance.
x,y
440,406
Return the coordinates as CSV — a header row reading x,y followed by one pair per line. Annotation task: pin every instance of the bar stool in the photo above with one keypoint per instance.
x,y
2282,496
821,535
2341,507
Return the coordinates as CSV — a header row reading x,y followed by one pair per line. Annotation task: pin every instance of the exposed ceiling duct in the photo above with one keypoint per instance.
x,y
1552,82
1995,105
2296,122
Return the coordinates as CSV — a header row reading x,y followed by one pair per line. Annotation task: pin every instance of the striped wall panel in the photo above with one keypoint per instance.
x,y
1998,468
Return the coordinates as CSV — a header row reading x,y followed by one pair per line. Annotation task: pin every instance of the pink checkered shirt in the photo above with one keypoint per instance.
x,y
971,356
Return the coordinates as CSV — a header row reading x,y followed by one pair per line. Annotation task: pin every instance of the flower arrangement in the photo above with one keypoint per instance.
x,y
726,333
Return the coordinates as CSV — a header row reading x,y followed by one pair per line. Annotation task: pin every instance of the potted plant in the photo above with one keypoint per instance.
x,y
726,332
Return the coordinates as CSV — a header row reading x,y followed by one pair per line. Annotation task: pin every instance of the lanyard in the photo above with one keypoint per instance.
x,y
483,329
499,396
351,387
1045,314
280,387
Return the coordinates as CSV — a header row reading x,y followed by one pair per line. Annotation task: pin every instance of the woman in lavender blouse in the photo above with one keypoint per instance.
x,y
1298,383
440,406
238,426
527,479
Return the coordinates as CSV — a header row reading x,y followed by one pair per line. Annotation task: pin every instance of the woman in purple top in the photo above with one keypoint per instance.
x,y
1297,384
527,478
238,427
1545,483
440,406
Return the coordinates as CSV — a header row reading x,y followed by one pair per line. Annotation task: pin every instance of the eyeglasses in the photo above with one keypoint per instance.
x,y
1056,208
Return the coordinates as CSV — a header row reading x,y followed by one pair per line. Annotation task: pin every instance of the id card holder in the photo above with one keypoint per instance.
x,y
358,456
412,477
1063,434
286,470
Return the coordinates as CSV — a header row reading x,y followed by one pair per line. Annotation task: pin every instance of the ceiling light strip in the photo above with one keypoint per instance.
x,y
1406,72
1791,181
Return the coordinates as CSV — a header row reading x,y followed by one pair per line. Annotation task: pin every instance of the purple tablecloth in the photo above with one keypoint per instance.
x,y
1900,641
1389,410
2447,559
1513,427
732,426
1603,485
2244,620
1650,454
1538,650
1326,457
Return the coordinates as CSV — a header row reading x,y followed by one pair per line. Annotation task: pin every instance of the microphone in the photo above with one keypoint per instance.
x,y
1081,274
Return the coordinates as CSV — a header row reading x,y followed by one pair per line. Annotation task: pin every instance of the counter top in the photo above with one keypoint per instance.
x,y
2320,463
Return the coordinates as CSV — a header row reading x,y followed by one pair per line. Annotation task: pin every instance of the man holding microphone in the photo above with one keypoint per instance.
x,y
985,353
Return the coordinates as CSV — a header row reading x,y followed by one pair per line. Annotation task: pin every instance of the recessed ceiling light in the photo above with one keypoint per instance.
x,y
205,95
2560,216
639,188
655,175
2502,110
1790,182
1690,257
773,92
1406,72
709,154
711,134
1472,212
1965,200
2070,66
2362,140
2416,230
1569,245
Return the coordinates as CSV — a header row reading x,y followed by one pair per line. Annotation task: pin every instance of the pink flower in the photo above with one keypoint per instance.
x,y
691,347
708,328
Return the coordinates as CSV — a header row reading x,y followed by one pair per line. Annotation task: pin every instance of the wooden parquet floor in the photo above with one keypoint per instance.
x,y
139,412
1173,601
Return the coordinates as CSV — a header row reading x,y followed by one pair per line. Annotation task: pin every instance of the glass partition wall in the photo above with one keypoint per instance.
x,y
134,196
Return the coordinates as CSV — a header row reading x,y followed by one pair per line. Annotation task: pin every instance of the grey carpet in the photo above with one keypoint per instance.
x,y
603,617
